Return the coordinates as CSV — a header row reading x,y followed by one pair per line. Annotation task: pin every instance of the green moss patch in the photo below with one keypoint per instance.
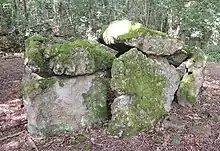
x,y
63,53
198,56
135,75
34,51
41,50
194,53
142,31
96,101
41,85
63,50
187,89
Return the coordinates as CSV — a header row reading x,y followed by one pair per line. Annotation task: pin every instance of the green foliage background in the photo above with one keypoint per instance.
x,y
76,19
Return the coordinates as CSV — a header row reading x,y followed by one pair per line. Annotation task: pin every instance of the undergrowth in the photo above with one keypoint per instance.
x,y
213,53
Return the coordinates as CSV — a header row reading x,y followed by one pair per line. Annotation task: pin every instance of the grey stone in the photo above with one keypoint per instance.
x,y
192,81
146,87
81,57
58,105
135,35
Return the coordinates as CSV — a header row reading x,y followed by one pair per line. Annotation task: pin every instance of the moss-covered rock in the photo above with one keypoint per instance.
x,y
136,35
150,85
128,117
55,105
95,101
78,58
37,86
34,51
70,58
192,80
187,90
196,61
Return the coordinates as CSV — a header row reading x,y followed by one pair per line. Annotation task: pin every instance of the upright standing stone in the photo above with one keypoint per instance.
x,y
146,89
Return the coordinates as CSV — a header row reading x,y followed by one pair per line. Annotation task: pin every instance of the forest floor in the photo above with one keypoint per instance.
x,y
185,129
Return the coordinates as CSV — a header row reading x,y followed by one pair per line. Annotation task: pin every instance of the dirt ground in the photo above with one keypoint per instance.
x,y
185,129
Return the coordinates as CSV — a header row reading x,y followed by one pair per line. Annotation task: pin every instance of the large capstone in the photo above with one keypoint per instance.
x,y
135,35
68,104
145,88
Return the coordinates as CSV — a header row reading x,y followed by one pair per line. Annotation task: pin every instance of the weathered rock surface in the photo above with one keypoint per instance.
x,y
67,58
178,58
65,84
56,105
181,69
151,83
192,81
136,35
124,116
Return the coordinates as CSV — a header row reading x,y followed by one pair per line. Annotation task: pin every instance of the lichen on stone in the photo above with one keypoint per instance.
x,y
78,57
34,51
38,85
193,79
187,90
95,101
46,129
135,35
133,74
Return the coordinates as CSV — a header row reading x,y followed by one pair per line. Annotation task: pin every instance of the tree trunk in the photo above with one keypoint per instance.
x,y
25,13
56,20
215,37
173,25
15,15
